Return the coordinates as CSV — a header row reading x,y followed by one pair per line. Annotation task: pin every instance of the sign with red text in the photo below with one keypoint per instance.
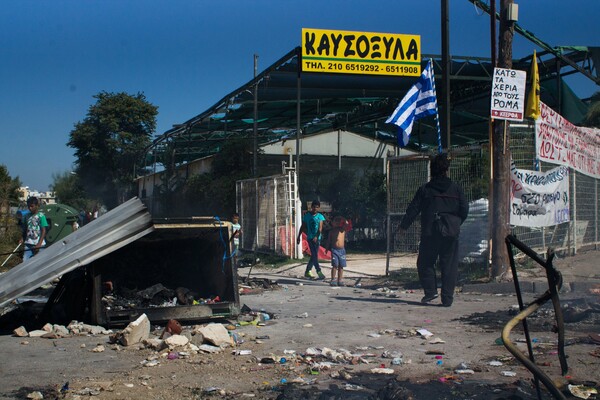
x,y
508,94
558,141
539,198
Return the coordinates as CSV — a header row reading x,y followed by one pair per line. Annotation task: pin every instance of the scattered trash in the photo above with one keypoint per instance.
x,y
207,348
387,371
495,363
303,315
425,333
351,387
374,335
508,373
392,354
581,391
242,352
150,363
464,371
436,341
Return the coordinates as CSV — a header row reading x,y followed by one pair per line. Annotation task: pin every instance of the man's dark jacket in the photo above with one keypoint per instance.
x,y
449,198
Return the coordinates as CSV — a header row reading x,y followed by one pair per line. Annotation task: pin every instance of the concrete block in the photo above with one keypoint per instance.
x,y
176,341
216,334
21,332
136,331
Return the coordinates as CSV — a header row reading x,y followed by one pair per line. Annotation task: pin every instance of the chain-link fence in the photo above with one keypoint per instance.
x,y
266,207
582,230
406,174
470,167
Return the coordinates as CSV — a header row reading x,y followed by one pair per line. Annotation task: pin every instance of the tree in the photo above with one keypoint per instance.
x,y
9,196
110,142
9,188
68,190
214,193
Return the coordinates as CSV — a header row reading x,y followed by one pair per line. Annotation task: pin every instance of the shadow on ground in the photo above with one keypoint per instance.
x,y
367,386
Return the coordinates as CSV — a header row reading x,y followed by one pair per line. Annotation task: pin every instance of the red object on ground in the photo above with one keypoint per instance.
x,y
306,249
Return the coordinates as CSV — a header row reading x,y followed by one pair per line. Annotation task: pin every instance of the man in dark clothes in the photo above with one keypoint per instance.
x,y
443,209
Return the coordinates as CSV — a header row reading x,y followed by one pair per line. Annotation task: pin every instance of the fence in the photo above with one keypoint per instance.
x,y
267,212
470,168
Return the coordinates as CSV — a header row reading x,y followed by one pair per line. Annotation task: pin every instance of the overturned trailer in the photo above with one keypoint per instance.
x,y
182,270
109,262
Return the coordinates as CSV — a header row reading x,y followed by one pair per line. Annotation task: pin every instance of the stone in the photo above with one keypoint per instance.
x,y
20,332
176,341
94,329
37,333
197,338
155,344
136,331
61,331
207,348
216,334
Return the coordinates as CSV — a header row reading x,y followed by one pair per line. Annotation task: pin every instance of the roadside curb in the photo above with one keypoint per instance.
x,y
530,287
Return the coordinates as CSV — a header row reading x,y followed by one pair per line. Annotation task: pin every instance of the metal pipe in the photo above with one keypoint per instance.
x,y
537,372
11,254
554,283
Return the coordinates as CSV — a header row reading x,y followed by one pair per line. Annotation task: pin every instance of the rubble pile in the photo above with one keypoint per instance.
x,y
154,296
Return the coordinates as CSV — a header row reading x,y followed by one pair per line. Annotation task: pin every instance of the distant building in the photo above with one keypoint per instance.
x,y
44,197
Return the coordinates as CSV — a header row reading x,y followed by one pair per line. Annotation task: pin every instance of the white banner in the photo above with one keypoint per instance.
x,y
539,198
558,141
508,94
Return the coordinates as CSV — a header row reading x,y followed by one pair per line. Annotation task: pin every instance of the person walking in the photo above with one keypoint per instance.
x,y
336,244
443,208
235,236
312,225
37,225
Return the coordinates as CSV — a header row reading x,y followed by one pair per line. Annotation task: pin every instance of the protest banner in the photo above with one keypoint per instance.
x,y
560,142
539,198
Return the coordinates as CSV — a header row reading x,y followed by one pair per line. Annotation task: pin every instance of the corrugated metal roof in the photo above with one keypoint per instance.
x,y
113,230
355,103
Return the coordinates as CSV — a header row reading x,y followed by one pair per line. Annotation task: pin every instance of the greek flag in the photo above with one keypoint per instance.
x,y
419,102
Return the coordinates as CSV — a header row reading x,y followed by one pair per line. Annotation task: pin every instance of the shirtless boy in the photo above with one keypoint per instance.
x,y
335,243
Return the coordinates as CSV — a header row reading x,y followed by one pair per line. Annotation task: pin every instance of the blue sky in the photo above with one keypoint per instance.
x,y
185,55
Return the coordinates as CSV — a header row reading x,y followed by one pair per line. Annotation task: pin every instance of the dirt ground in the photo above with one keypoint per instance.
x,y
360,341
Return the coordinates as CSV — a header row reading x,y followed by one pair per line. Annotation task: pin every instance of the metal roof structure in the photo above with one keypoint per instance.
x,y
355,103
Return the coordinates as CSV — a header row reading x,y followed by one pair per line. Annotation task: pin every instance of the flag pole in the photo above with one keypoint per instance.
x,y
437,114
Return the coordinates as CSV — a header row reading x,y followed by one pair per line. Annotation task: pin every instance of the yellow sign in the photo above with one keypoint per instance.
x,y
347,52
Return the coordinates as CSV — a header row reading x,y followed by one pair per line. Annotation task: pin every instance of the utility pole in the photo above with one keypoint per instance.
x,y
446,71
501,153
255,122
